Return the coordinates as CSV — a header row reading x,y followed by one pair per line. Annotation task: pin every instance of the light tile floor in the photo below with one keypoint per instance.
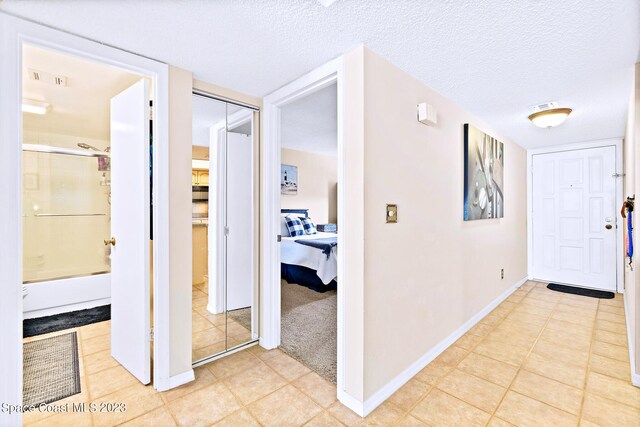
x,y
541,358
209,330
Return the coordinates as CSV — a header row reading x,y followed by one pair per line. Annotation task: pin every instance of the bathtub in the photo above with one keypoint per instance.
x,y
63,295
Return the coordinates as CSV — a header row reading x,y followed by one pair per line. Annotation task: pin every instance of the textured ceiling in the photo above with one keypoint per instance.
x,y
493,57
310,124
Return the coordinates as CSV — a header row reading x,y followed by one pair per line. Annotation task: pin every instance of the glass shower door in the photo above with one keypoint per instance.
x,y
66,215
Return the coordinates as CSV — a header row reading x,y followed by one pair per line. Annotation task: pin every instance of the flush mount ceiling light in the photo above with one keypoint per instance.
x,y
549,115
35,107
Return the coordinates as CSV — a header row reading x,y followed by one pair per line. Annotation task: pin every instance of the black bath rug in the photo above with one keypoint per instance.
x,y
59,322
581,291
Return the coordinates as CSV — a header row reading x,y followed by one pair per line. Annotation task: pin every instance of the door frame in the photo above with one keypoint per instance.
x,y
217,250
326,75
613,142
13,33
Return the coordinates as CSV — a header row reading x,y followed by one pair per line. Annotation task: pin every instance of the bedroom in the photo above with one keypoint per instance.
x,y
308,218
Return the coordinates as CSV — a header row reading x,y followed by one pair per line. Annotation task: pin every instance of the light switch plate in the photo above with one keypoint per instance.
x,y
392,213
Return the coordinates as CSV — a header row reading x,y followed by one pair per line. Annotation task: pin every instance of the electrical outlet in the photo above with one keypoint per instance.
x,y
501,273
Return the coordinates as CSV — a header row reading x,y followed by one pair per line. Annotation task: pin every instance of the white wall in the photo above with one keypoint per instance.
x,y
428,274
631,186
351,172
317,185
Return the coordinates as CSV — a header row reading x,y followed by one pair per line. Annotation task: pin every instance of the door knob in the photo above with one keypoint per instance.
x,y
111,242
608,226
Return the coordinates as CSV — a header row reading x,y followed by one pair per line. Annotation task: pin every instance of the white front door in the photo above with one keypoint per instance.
x,y
130,264
574,217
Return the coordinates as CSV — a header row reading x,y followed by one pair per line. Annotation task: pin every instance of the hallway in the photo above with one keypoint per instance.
x,y
540,358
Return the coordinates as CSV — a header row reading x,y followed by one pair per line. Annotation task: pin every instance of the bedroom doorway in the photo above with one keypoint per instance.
x,y
348,211
308,215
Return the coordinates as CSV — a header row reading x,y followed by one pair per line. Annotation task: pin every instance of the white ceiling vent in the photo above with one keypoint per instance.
x,y
546,106
49,78
327,3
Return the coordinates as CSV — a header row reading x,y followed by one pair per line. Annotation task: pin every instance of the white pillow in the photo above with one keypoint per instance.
x,y
284,230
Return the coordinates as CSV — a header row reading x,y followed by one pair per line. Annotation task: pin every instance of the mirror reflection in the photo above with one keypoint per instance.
x,y
223,226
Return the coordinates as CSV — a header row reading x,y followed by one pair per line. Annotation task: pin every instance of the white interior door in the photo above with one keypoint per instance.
x,y
130,264
574,217
239,219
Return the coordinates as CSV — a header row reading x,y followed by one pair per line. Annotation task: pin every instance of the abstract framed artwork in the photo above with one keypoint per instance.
x,y
288,179
483,175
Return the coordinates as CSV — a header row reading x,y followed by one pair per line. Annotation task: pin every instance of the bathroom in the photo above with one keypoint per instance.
x,y
66,203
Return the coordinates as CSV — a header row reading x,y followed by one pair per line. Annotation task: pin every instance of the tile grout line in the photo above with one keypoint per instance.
x,y
605,375
588,370
438,380
454,366
524,360
287,382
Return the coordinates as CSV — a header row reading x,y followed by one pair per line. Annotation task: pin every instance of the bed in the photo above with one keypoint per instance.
x,y
305,265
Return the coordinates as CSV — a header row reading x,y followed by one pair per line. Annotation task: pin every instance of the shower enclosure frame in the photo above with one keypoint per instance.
x,y
46,297
14,32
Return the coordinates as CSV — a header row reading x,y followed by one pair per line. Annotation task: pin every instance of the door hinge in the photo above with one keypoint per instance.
x,y
279,238
151,334
226,231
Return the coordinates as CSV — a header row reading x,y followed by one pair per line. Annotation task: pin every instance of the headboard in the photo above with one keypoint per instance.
x,y
300,213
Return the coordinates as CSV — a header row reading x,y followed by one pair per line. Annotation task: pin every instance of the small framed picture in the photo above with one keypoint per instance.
x,y
288,179
30,181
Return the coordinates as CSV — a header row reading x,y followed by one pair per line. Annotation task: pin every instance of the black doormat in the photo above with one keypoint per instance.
x,y
59,322
581,291
51,369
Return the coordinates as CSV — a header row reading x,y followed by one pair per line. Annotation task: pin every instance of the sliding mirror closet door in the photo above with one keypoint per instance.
x,y
241,291
224,276
209,334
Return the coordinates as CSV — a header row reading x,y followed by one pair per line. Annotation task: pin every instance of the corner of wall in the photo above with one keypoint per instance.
x,y
180,88
350,216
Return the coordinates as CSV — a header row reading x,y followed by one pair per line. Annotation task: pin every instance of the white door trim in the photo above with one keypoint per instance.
x,y
14,32
615,142
330,73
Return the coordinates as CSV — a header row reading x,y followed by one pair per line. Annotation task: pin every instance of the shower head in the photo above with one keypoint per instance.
x,y
87,146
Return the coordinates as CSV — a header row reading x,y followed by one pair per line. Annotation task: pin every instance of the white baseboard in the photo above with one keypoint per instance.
x,y
392,386
635,379
267,344
177,380
212,309
635,376
351,402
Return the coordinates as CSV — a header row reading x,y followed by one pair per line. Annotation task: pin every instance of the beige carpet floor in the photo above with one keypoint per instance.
x,y
309,328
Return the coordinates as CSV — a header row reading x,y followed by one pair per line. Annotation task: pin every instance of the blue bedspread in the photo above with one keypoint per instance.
x,y
325,244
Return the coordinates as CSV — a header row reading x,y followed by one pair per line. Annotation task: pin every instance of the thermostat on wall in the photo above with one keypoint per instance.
x,y
427,114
